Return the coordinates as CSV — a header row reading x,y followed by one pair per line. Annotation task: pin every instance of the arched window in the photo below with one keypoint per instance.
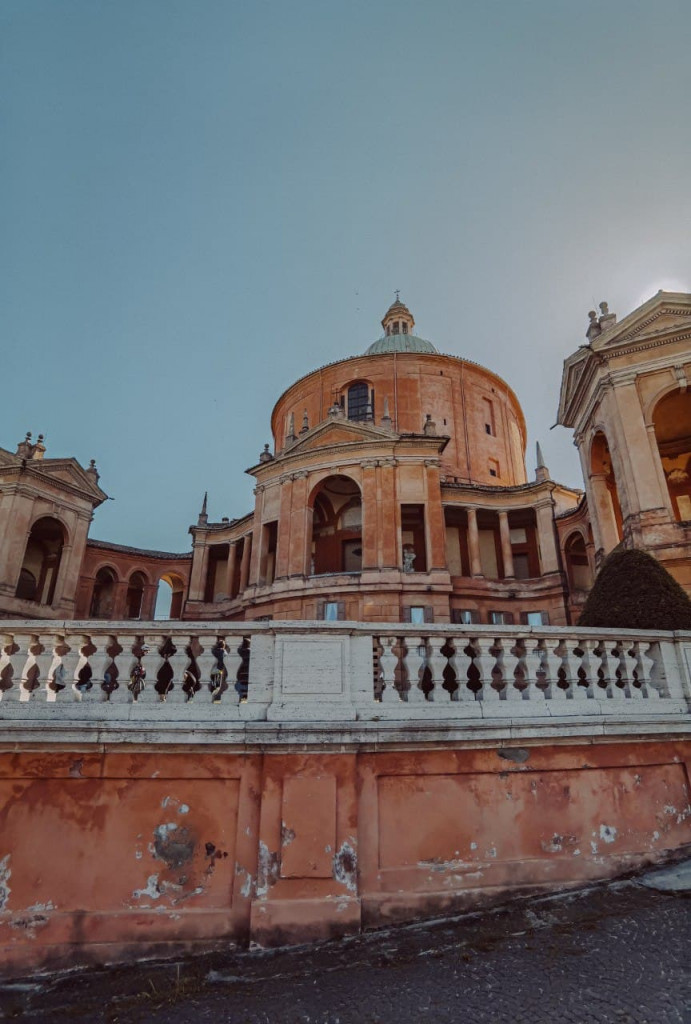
x,y
672,419
359,402
336,527
103,595
135,596
39,573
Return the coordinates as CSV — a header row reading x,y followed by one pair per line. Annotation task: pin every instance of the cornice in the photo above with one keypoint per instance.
x,y
263,471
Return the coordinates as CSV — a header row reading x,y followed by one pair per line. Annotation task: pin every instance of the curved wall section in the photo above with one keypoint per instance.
x,y
474,407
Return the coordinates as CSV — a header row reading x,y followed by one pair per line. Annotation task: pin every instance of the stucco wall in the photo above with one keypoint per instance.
x,y
112,854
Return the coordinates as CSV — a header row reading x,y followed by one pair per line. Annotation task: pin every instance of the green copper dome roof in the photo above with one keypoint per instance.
x,y
400,343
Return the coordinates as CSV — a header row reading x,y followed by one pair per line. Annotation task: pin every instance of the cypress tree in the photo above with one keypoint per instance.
x,y
633,591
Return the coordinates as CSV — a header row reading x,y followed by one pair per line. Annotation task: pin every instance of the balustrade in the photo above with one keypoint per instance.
x,y
88,670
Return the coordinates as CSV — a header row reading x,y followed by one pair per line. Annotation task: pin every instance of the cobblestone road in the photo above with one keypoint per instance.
x,y
615,954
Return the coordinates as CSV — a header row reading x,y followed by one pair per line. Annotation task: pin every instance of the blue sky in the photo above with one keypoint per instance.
x,y
202,201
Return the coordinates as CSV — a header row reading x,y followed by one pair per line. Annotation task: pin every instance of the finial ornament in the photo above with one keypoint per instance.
x,y
541,471
203,517
398,294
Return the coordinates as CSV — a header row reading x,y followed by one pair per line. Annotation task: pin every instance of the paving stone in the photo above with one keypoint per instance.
x,y
613,954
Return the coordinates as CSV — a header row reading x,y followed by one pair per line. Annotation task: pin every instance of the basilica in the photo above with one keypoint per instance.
x,y
395,490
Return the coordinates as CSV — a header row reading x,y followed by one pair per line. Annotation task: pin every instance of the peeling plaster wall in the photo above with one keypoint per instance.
x,y
118,855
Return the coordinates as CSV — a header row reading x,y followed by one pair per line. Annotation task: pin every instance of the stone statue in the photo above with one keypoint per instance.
x,y
409,557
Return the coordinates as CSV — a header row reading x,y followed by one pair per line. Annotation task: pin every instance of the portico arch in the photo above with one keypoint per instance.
x,y
577,563
672,424
135,595
603,484
103,593
41,563
336,543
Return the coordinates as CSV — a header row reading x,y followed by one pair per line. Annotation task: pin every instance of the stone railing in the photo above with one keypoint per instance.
x,y
321,672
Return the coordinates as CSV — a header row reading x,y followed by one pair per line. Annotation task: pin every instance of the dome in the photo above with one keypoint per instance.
x,y
400,343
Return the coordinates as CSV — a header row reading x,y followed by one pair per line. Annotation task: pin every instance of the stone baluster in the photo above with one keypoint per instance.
x,y
388,662
645,666
415,660
589,667
63,673
437,663
551,663
609,660
43,659
179,662
233,661
152,661
21,660
571,662
484,662
105,686
55,678
74,661
597,661
124,661
509,662
628,665
460,662
206,663
4,663
532,662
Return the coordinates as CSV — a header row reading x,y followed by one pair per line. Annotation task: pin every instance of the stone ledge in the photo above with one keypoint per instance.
x,y
256,736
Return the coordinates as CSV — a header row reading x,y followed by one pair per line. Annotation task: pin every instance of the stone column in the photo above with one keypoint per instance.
x,y
120,600
299,540
602,513
257,536
390,529
230,568
474,544
16,513
284,516
643,480
245,563
661,478
148,609
200,556
549,556
371,536
436,529
506,553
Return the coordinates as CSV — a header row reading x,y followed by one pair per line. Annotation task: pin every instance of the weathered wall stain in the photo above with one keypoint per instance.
x,y
5,875
345,865
268,868
174,844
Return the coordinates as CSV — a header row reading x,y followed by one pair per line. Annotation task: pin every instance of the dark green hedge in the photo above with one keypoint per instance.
x,y
633,591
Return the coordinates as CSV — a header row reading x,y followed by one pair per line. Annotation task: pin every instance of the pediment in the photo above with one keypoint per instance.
x,y
337,432
7,458
665,313
68,471
575,371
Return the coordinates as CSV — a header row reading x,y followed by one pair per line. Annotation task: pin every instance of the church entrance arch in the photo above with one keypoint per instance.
x,y
672,420
336,527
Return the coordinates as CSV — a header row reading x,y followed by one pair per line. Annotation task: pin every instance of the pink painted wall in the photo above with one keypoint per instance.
x,y
119,855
